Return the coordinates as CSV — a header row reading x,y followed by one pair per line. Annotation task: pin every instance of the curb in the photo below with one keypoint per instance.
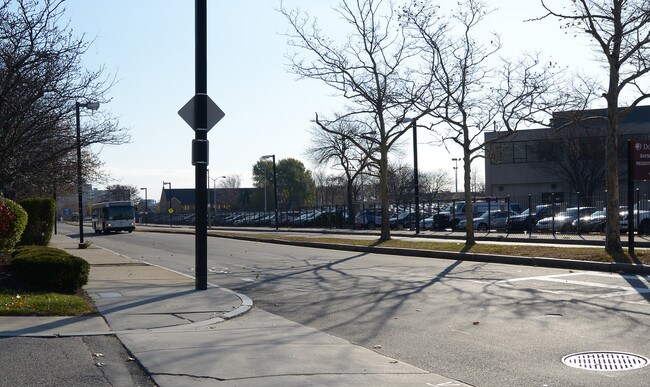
x,y
610,267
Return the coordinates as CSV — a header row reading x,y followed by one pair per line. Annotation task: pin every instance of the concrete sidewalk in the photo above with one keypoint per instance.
x,y
182,336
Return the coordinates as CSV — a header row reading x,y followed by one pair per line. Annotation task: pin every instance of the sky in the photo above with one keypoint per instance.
x,y
148,45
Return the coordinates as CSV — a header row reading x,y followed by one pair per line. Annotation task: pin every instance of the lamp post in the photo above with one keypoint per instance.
x,y
169,201
275,187
214,192
265,210
146,206
416,188
91,106
456,160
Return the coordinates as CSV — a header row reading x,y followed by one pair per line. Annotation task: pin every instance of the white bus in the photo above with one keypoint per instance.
x,y
113,216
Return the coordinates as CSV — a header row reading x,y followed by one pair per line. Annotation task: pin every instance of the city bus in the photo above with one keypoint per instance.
x,y
113,216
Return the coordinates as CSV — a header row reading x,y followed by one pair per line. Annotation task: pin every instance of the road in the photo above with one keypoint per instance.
x,y
483,324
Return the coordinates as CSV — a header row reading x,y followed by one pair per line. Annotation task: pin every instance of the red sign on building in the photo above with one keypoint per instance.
x,y
640,160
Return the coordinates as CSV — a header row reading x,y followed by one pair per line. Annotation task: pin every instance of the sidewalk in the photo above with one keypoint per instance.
x,y
182,336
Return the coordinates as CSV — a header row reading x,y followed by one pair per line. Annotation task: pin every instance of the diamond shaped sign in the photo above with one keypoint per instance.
x,y
215,114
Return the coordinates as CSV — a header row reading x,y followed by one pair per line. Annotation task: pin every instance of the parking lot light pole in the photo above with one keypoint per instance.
x,y
169,201
456,160
214,192
146,206
91,106
275,187
416,188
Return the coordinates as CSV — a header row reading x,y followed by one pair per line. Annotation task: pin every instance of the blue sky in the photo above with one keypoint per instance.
x,y
149,46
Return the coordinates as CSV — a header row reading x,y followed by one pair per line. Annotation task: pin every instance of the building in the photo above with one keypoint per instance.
x,y
566,160
182,200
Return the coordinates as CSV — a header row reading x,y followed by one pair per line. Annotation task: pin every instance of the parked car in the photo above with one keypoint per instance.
x,y
456,213
526,220
591,223
489,220
563,222
368,219
405,220
641,221
438,221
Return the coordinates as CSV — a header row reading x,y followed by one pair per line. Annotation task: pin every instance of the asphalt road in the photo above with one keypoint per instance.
x,y
484,324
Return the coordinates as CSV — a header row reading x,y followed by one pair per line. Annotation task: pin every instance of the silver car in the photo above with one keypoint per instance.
x,y
493,220
562,221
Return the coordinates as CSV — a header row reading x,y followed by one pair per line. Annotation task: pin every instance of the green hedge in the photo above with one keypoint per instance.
x,y
40,221
13,219
50,268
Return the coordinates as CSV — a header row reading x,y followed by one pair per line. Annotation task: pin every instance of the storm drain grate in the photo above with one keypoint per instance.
x,y
605,361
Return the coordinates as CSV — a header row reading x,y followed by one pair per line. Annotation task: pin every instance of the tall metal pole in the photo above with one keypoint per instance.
x,y
146,206
630,198
416,187
169,202
455,159
275,193
201,145
79,180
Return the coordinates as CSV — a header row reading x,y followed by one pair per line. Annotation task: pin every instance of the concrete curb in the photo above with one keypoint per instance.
x,y
610,267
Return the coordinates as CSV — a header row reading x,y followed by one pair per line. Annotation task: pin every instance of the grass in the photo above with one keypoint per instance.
x,y
522,250
17,299
37,303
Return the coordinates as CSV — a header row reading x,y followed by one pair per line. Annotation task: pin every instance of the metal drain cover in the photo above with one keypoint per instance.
x,y
605,361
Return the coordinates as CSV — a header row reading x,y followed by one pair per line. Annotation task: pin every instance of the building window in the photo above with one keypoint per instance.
x,y
532,151
551,150
519,151
501,153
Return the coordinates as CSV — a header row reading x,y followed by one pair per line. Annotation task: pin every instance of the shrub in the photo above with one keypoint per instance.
x,y
40,221
13,220
50,268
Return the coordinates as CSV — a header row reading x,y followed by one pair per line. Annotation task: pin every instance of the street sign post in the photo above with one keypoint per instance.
x,y
201,114
638,168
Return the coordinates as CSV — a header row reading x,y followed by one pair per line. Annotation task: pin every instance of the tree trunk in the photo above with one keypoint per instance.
x,y
469,213
613,228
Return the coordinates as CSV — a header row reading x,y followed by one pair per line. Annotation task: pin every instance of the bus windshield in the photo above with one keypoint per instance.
x,y
120,213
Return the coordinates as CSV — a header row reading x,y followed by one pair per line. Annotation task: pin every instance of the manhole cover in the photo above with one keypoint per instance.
x,y
605,361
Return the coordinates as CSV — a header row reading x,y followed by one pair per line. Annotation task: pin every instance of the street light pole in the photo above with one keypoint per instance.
x,y
416,187
214,192
169,201
456,160
91,106
275,188
146,206
265,210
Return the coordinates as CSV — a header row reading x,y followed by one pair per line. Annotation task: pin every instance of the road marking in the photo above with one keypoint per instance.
x,y
622,291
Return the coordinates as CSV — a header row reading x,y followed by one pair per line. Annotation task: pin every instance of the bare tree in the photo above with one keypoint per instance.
x,y
479,91
477,183
117,192
370,69
432,183
620,31
231,181
400,183
41,78
336,149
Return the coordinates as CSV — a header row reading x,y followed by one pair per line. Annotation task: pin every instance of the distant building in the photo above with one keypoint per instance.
x,y
558,159
182,200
